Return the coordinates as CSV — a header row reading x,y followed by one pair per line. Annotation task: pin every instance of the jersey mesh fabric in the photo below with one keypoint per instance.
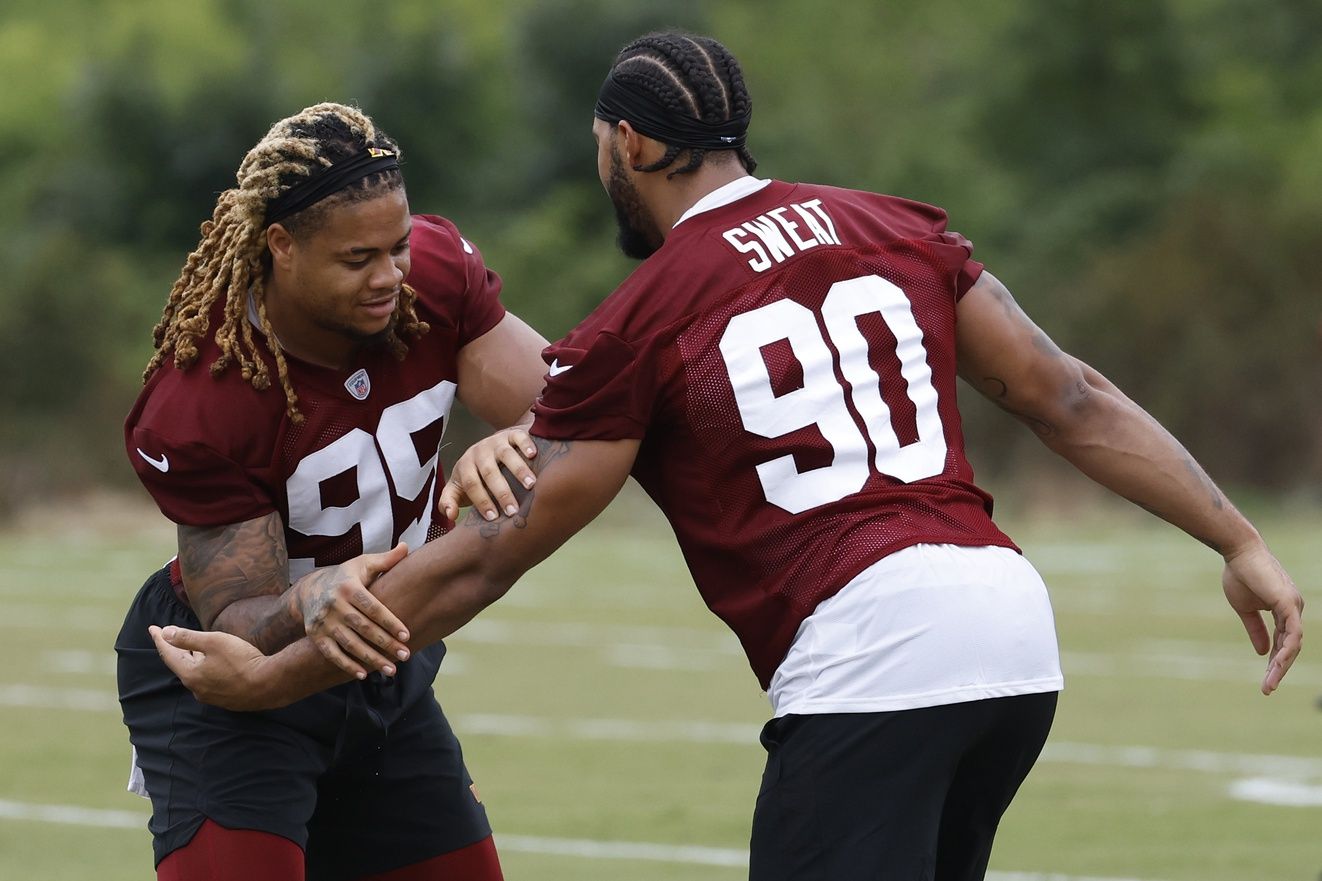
x,y
652,356
232,451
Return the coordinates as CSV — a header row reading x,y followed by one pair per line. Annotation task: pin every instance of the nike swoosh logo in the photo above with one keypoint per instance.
x,y
162,464
556,369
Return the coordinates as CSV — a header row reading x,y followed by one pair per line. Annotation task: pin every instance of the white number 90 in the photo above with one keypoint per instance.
x,y
821,399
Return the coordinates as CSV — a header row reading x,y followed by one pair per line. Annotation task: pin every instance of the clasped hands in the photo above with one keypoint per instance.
x,y
355,630
349,626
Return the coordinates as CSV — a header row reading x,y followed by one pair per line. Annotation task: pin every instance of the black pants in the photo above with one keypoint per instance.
x,y
913,795
366,777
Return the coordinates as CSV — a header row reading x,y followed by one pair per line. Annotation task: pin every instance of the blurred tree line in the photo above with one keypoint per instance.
x,y
1144,176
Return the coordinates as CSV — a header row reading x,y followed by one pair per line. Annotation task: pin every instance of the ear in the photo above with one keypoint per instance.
x,y
639,149
281,243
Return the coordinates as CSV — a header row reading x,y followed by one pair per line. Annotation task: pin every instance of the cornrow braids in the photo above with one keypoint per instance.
x,y
230,262
691,76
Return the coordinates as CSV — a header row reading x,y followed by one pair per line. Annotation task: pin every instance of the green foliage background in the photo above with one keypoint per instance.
x,y
1145,177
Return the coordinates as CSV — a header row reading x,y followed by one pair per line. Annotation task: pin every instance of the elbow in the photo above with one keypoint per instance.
x,y
1066,404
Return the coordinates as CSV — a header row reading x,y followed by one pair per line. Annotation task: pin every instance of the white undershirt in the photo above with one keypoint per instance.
x,y
925,626
724,195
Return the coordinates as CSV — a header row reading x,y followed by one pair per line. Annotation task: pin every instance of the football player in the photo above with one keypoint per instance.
x,y
305,367
779,375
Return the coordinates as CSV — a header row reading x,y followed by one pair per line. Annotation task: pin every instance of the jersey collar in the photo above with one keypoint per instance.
x,y
724,195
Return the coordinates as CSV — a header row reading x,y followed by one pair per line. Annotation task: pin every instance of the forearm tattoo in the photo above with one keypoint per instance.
x,y
996,389
236,577
548,451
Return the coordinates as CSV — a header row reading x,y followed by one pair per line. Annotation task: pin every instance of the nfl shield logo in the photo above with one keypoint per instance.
x,y
359,385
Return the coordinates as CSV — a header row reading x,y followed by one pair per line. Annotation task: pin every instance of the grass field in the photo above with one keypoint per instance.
x,y
611,722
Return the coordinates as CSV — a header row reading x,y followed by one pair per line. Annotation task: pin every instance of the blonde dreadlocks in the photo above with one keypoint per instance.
x,y
229,263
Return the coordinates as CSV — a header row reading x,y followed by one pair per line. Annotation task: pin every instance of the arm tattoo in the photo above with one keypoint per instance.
x,y
235,576
999,392
548,451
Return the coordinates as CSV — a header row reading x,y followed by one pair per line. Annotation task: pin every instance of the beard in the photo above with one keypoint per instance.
x,y
637,237
359,338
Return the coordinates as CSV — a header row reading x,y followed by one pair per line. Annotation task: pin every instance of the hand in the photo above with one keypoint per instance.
x,y
349,625
1254,582
476,477
218,668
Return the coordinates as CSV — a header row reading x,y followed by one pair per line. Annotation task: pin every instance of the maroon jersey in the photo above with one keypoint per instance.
x,y
360,473
788,360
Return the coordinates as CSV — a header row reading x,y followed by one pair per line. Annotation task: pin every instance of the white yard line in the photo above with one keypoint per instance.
x,y
583,848
1204,761
50,698
661,731
1272,791
623,850
33,616
72,815
702,731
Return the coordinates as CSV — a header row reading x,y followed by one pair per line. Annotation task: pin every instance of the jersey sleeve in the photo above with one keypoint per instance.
x,y
920,222
955,251
598,389
191,483
449,274
956,245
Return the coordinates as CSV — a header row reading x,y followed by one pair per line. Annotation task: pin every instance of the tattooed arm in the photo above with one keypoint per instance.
x,y
237,577
1084,418
435,590
237,580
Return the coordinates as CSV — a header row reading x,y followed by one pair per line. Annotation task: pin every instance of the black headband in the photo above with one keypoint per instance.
x,y
621,100
328,181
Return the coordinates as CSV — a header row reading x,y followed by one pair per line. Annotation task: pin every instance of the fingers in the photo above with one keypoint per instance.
x,y
1255,582
497,487
356,644
1287,640
478,478
472,486
452,499
165,648
376,565
522,441
378,624
352,654
181,639
347,650
176,647
512,457
333,653
1257,631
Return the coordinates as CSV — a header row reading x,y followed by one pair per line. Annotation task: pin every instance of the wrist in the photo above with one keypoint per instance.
x,y
294,605
1245,540
265,685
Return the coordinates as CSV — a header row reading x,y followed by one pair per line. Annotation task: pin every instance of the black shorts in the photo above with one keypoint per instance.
x,y
913,795
365,777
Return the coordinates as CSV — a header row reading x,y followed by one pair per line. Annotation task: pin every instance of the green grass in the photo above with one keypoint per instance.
x,y
601,702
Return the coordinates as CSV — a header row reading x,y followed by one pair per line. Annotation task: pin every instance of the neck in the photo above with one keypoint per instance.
x,y
300,337
672,197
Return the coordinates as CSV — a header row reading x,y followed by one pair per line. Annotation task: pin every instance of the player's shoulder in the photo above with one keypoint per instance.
x,y
191,405
651,299
908,218
446,268
439,256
